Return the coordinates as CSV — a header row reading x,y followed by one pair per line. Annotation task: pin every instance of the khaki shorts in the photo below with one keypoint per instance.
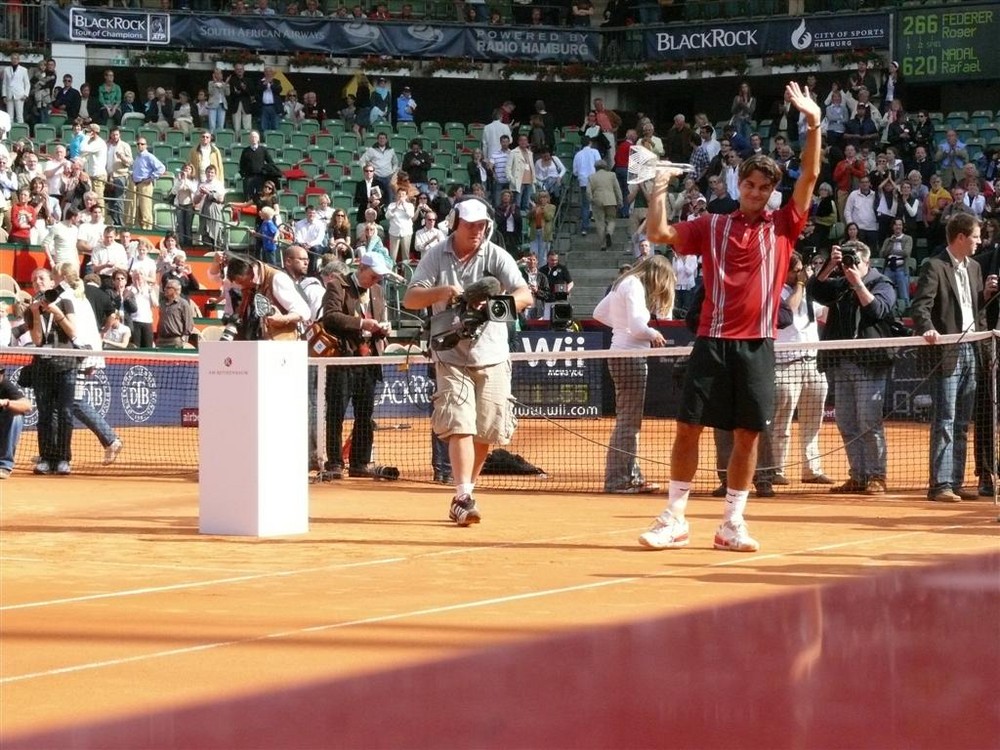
x,y
474,401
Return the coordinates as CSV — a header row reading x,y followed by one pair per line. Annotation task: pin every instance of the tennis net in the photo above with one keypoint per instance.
x,y
565,401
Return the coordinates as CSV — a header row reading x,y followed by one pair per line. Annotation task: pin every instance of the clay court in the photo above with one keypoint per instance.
x,y
546,626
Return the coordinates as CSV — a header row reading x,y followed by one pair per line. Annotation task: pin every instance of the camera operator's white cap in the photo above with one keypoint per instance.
x,y
377,263
472,211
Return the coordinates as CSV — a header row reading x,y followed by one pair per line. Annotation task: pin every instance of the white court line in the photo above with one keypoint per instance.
x,y
735,560
284,573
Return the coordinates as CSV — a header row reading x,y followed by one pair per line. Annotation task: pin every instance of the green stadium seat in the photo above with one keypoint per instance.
x,y
956,118
292,154
344,155
288,200
19,130
274,140
163,151
224,138
57,121
313,169
325,141
408,130
351,141
176,138
334,127
965,132
238,238
285,127
383,127
400,144
45,133
975,147
174,165
327,184
438,173
318,155
981,117
163,216
348,185
455,130
988,132
300,140
344,201
309,127
433,132
476,131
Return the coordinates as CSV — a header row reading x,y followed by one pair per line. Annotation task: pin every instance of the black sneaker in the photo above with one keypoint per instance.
x,y
764,489
331,473
442,478
464,511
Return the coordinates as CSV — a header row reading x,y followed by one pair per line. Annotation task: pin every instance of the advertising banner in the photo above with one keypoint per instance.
x,y
770,36
349,38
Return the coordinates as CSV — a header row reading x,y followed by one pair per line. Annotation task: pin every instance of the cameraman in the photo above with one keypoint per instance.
x,y
472,406
860,302
289,311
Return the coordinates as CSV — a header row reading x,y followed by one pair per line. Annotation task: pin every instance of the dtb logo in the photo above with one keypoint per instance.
x,y
139,393
561,344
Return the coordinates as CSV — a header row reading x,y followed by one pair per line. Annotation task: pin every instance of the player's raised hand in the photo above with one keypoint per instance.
x,y
804,103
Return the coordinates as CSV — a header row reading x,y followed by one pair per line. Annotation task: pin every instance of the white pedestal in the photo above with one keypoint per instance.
x,y
253,435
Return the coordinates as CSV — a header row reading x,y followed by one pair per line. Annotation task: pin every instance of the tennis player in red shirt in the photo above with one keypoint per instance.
x,y
730,378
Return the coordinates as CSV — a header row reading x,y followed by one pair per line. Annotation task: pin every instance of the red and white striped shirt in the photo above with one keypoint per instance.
x,y
744,265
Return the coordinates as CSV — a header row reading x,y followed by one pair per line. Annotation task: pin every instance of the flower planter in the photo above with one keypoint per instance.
x,y
404,72
312,69
27,59
522,77
680,75
455,74
793,69
249,67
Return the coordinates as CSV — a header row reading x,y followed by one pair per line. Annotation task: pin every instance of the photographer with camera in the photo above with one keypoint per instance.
x,y
270,306
472,406
354,311
860,304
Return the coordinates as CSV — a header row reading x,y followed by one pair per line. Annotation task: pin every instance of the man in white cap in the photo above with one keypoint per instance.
x,y
354,311
472,407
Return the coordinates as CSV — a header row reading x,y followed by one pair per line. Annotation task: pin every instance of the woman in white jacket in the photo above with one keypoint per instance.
x,y
400,216
648,288
218,92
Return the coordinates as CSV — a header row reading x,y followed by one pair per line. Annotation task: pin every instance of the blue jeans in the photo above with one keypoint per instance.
x,y
523,198
900,278
621,466
622,174
584,209
270,117
91,419
54,399
216,118
952,399
10,433
859,394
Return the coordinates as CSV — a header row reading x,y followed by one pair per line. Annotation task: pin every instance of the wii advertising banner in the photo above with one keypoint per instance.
x,y
346,38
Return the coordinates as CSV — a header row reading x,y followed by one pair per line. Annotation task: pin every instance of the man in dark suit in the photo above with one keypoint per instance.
x,y
950,298
363,190
255,161
68,99
354,310
986,428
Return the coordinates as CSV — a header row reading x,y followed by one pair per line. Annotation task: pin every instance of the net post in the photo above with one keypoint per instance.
x,y
253,424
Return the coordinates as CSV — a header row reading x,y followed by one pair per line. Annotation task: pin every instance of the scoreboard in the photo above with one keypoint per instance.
x,y
951,43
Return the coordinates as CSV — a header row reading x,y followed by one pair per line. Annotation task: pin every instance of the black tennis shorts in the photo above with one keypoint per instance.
x,y
730,384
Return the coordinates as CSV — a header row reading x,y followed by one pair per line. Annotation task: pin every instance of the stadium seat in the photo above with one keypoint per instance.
x,y
455,130
163,217
327,184
974,147
309,127
176,138
311,168
162,187
325,141
224,138
382,127
19,130
300,140
438,173
407,130
965,132
350,141
57,121
292,154
238,238
956,118
981,117
285,127
274,140
431,131
334,127
476,131
348,185
400,144
152,135
344,155
163,151
988,132
288,200
45,133
298,185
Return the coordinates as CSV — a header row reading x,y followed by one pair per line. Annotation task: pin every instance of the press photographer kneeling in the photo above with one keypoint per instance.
x,y
472,405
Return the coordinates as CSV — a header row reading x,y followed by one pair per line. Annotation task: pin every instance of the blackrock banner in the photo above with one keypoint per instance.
x,y
289,35
758,38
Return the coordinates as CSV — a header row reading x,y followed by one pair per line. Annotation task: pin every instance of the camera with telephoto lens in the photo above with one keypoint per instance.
x,y
848,257
230,328
481,303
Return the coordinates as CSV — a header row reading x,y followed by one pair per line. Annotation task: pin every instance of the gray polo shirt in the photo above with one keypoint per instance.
x,y
440,267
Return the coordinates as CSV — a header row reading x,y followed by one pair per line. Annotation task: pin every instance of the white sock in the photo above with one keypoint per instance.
x,y
678,494
464,489
736,503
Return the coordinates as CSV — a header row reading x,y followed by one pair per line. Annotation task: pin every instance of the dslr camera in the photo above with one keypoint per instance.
x,y
848,257
480,304
230,328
